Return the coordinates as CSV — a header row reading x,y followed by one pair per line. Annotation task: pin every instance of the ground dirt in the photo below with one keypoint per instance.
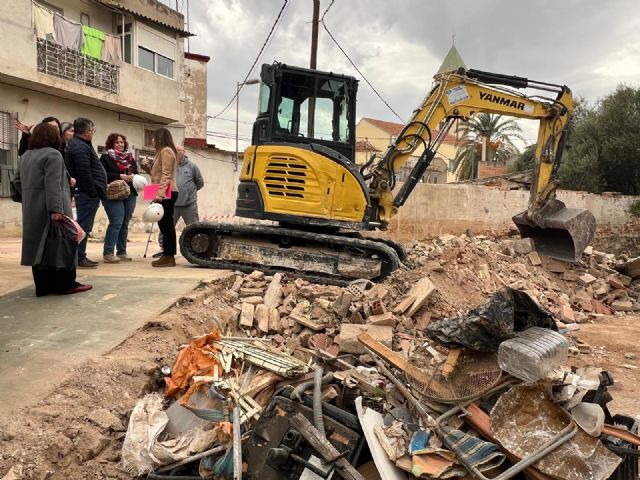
x,y
76,432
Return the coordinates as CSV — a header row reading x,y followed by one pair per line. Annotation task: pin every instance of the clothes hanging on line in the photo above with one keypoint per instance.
x,y
93,42
43,21
68,33
112,50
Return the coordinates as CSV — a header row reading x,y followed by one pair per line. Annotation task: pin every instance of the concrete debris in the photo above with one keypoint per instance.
x,y
277,332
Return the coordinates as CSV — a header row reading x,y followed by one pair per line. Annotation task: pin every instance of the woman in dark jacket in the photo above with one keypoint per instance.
x,y
119,165
41,179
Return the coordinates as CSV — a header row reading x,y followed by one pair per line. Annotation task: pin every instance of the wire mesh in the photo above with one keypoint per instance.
x,y
472,374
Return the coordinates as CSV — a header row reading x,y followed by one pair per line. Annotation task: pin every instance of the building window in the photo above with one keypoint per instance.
x,y
126,39
146,59
156,50
155,62
85,19
8,151
8,139
164,66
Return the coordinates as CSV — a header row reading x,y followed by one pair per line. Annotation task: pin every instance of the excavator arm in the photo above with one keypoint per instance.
x,y
557,231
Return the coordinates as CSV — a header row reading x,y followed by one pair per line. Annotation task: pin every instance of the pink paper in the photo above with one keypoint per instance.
x,y
150,191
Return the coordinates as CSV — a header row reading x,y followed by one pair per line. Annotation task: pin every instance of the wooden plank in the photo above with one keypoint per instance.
x,y
386,353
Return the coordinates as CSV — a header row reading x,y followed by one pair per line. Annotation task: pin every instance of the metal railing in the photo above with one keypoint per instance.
x,y
54,59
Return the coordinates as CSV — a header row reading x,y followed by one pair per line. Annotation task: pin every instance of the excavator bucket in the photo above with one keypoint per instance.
x,y
559,232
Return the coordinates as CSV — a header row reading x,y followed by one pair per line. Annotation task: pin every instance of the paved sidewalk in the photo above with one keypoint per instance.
x,y
41,338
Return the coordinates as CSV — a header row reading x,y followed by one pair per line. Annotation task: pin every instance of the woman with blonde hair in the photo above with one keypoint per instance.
x,y
163,172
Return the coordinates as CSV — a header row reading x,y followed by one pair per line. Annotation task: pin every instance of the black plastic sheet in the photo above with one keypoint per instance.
x,y
486,326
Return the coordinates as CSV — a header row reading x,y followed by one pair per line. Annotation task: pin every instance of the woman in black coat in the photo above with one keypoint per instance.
x,y
119,164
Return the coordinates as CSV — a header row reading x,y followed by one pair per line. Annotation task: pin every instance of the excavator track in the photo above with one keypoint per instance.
x,y
304,254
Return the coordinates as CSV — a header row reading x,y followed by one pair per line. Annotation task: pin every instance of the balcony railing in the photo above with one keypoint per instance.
x,y
54,59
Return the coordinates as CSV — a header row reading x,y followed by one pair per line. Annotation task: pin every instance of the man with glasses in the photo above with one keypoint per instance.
x,y
91,181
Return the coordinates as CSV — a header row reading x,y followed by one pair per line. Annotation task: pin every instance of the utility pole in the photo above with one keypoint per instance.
x,y
312,64
314,34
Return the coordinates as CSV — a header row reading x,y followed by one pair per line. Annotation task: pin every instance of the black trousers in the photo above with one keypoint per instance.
x,y
50,281
167,228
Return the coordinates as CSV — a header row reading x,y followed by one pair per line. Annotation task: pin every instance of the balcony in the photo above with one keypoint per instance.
x,y
69,64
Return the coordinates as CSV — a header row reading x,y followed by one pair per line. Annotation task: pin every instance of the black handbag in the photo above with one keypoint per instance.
x,y
61,247
16,196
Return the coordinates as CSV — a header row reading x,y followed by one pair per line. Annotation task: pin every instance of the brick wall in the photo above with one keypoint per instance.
x,y
490,169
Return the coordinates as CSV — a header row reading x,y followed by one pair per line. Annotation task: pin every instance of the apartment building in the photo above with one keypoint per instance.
x,y
125,72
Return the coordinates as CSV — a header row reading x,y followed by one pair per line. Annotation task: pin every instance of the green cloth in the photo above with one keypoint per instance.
x,y
93,42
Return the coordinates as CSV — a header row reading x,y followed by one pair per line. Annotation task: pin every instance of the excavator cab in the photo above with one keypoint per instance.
x,y
299,106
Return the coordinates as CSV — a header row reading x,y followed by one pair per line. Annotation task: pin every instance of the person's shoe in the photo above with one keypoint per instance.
x,y
86,263
158,254
111,258
88,260
165,261
124,257
79,289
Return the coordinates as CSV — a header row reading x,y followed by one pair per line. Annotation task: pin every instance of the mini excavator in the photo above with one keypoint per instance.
x,y
300,174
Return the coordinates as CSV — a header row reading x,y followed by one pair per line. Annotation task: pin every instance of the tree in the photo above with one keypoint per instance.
x,y
605,146
501,133
526,159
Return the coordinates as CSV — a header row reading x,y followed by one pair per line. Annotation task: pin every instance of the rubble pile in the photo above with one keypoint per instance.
x,y
302,379
597,284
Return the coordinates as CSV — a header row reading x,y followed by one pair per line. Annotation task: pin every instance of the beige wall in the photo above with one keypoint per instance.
x,y
438,209
194,91
141,93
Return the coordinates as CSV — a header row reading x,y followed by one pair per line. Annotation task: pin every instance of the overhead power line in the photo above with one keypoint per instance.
x,y
353,64
264,45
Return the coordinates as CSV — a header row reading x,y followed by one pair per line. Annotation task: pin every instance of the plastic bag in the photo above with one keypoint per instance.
x,y
486,326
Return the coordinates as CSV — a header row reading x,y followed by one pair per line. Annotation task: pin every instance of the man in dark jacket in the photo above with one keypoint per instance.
x,y
91,181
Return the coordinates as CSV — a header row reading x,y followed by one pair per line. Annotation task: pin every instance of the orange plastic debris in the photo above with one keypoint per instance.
x,y
198,358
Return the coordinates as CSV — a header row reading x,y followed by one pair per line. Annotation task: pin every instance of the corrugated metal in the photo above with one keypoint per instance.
x,y
122,8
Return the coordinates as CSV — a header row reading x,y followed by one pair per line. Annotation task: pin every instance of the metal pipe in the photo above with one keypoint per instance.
x,y
197,456
317,401
237,445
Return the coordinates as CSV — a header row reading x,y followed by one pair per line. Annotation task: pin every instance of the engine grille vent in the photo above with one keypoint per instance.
x,y
287,177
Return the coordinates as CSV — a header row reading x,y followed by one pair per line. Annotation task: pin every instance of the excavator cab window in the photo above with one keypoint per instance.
x,y
307,107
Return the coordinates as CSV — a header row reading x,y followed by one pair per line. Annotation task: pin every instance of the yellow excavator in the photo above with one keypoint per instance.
x,y
300,178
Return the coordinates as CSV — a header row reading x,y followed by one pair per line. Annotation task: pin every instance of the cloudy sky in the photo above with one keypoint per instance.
x,y
591,46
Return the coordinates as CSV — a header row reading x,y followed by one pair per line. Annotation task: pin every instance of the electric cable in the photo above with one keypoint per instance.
x,y
264,45
354,65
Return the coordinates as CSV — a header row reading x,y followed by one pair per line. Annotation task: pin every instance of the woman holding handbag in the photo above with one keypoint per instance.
x,y
121,197
41,179
163,173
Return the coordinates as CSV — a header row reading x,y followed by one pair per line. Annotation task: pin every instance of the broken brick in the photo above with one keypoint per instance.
x,y
246,315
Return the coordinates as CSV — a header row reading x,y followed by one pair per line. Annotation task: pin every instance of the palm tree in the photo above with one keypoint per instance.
x,y
501,134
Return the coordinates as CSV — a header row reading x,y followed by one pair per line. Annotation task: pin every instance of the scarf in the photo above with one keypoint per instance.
x,y
122,159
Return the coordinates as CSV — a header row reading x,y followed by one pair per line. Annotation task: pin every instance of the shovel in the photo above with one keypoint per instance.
x,y
557,231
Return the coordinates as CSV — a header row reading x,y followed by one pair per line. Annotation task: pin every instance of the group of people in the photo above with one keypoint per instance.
x,y
57,162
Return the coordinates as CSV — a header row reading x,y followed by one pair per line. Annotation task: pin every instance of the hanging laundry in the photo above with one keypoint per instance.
x,y
43,21
112,50
93,42
68,33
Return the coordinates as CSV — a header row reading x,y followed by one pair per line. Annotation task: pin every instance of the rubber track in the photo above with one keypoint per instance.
x,y
385,251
